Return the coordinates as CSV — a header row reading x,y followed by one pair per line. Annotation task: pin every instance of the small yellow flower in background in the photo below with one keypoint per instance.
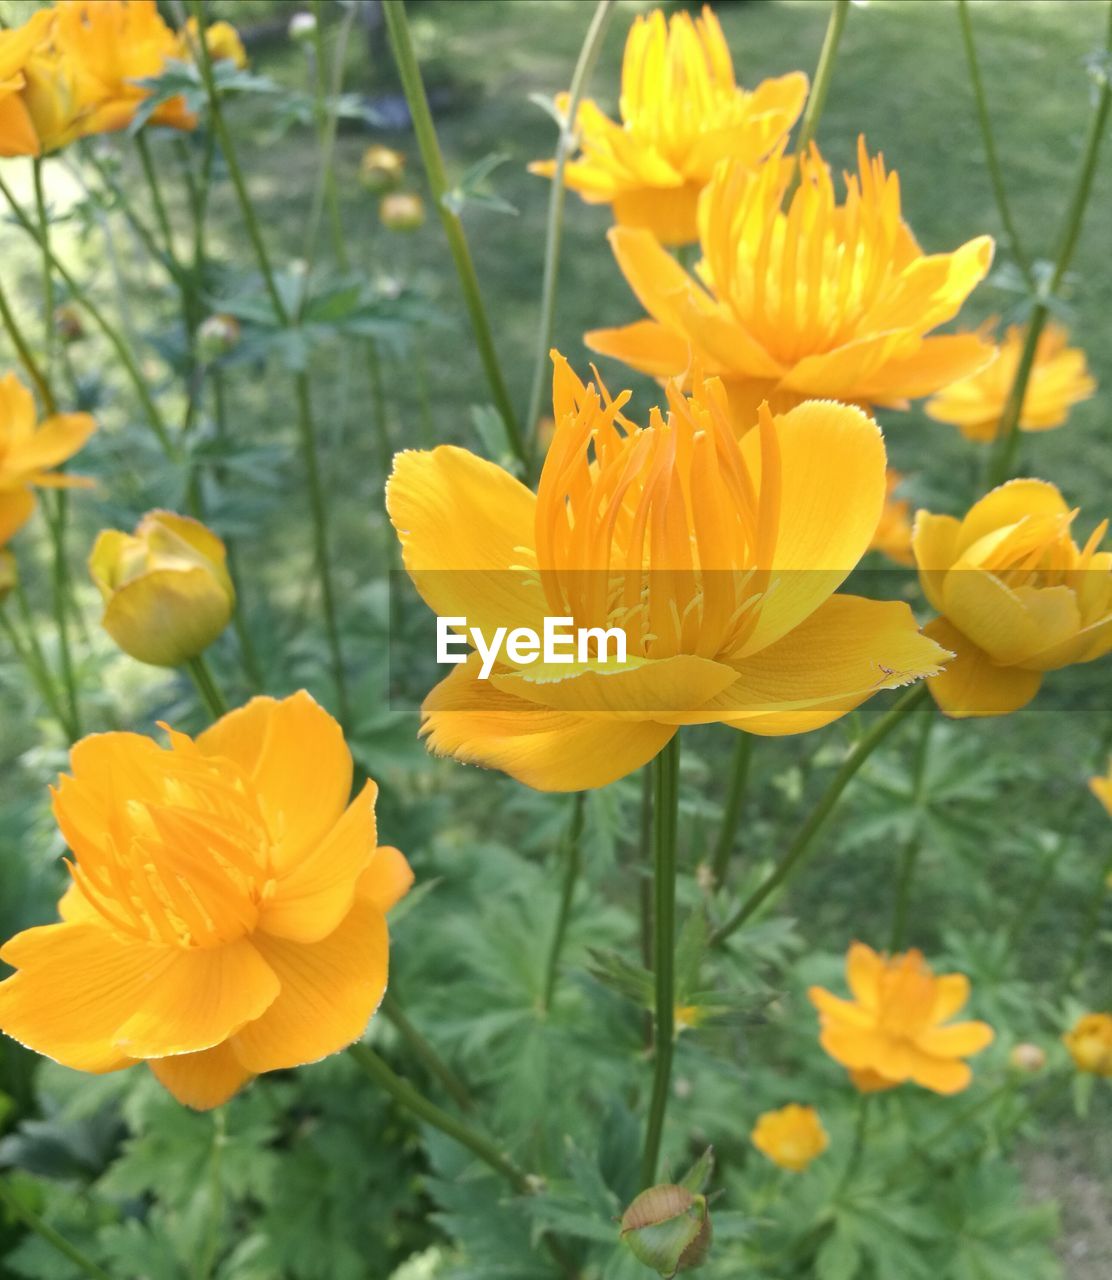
x,y
401,211
718,559
1101,787
1059,379
166,589
823,300
1090,1044
688,1017
381,168
227,910
791,1137
682,111
28,451
1027,1058
893,534
221,39
1017,596
897,1026
9,575
18,135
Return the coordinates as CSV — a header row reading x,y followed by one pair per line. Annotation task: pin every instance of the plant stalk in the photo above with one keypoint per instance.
x,y
572,864
820,87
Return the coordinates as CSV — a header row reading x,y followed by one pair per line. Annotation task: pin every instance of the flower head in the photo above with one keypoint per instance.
x,y
226,915
791,1137
166,590
897,1026
818,299
28,451
716,560
1017,595
1090,1044
1059,379
893,534
222,41
682,111
18,134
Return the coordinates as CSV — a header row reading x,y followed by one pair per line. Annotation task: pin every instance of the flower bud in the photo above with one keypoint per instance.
x,y
68,324
1090,1044
9,574
381,168
401,211
166,589
1029,1059
302,28
668,1229
216,336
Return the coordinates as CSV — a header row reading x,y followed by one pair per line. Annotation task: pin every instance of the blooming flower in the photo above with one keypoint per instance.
x,y
226,915
1017,596
893,534
1059,379
28,451
1090,1044
816,300
791,1137
166,590
895,1027
17,130
718,561
682,111
221,39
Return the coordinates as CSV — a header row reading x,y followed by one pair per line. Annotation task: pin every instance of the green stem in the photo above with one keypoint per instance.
x,y
857,1150
23,351
572,864
666,774
991,158
211,695
47,273
565,145
211,1251
115,338
915,838
31,657
327,119
1007,441
820,87
821,813
424,1052
735,800
157,203
410,73
44,1231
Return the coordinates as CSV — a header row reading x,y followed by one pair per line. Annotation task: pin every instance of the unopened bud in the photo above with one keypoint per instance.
x,y
1028,1058
668,1229
401,211
302,27
67,323
216,336
381,168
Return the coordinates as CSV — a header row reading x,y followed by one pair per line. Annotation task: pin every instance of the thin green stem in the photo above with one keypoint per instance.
x,y
820,87
857,1150
45,1232
211,694
206,1262
914,841
572,864
735,801
412,84
157,203
327,118
424,1052
565,145
993,161
666,795
820,815
1007,441
23,351
31,657
47,272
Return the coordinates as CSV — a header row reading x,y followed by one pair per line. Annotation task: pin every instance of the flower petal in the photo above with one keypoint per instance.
x,y
387,879
645,345
16,508
957,1041
972,684
57,439
202,1080
934,542
941,1075
168,615
1007,504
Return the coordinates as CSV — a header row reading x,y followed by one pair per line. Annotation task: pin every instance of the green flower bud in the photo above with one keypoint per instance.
x,y
668,1229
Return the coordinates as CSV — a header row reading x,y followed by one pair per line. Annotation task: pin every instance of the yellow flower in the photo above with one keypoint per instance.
x,y
1018,597
818,300
226,915
791,1137
401,211
893,534
381,168
18,136
166,590
1059,379
894,1029
1102,788
716,561
221,39
682,111
28,451
1090,1044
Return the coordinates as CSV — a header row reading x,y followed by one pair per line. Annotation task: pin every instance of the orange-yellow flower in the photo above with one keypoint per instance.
x,y
1101,787
1059,379
1090,1044
717,560
682,111
791,1137
28,451
17,130
819,299
221,39
893,534
897,1026
226,915
1017,596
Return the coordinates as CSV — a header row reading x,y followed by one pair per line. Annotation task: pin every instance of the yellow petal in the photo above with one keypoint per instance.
x,y
1010,625
935,363
17,130
16,508
972,684
545,749
388,878
316,890
941,1075
57,439
466,527
834,1009
864,972
951,993
957,1041
329,990
295,754
645,345
202,1080
167,616
667,212
934,542
1007,504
